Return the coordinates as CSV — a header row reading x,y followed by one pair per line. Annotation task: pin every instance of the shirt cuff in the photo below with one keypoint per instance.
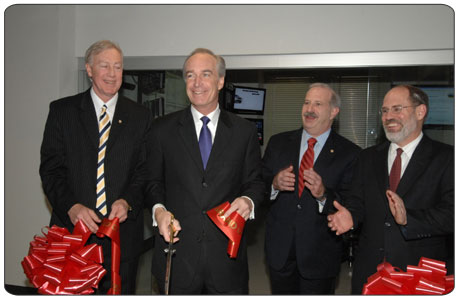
x,y
154,223
321,205
274,193
252,215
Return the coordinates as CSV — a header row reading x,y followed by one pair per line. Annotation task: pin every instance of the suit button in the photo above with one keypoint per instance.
x,y
387,224
299,206
204,184
203,212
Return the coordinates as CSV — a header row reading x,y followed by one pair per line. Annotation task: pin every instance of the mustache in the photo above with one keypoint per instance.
x,y
387,122
310,114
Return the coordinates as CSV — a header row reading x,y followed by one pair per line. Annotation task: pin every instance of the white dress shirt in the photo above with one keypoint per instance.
x,y
406,155
98,103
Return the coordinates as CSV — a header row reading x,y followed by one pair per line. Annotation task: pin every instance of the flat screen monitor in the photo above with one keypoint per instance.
x,y
248,100
259,123
441,105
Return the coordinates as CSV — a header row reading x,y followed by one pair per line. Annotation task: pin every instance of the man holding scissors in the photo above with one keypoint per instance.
x,y
202,157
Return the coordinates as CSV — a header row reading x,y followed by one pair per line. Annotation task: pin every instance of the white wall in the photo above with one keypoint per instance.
x,y
42,43
40,66
169,30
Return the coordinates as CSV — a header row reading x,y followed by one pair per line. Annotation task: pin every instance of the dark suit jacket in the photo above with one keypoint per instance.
x,y
69,162
188,191
292,219
427,188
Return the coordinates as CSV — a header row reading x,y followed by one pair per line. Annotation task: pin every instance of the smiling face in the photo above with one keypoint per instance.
x,y
403,127
317,112
106,72
203,82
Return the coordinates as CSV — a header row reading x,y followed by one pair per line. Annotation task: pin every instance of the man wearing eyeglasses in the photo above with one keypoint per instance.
x,y
403,192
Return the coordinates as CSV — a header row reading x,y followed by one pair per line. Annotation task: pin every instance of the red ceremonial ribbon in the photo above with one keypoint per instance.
x,y
232,226
111,229
429,277
60,263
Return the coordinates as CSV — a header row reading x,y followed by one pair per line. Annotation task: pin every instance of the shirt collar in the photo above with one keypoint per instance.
x,y
98,103
409,148
320,140
213,116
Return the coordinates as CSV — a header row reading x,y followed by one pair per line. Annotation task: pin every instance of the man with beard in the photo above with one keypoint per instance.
x,y
306,170
403,192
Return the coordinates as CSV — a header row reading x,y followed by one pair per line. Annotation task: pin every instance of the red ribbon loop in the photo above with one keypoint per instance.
x,y
59,263
111,229
429,277
232,226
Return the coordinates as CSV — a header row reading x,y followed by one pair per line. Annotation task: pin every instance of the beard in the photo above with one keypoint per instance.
x,y
406,130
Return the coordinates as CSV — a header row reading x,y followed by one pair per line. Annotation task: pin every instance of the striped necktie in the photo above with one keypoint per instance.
x,y
306,163
104,130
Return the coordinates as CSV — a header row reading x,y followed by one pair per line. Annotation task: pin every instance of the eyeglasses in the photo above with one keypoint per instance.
x,y
396,109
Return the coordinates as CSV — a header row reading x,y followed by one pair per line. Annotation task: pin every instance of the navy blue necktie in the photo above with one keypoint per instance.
x,y
205,141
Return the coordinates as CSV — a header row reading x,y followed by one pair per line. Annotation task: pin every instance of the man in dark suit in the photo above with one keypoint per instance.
x,y
400,222
186,186
76,168
302,254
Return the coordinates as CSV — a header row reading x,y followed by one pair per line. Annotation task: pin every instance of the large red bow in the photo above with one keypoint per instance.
x,y
59,263
429,277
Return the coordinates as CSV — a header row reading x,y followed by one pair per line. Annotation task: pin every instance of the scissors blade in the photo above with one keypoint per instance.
x,y
169,253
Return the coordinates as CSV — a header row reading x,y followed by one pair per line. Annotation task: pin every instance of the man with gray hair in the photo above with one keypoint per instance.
x,y
305,170
203,157
93,160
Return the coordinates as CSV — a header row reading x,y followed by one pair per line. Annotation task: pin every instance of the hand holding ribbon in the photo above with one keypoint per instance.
x,y
232,226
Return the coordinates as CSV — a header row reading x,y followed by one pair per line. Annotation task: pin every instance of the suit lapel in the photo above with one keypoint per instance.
x,y
417,164
327,154
119,121
187,133
89,119
223,137
381,165
292,150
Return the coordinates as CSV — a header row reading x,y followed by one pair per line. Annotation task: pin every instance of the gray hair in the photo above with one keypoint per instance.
x,y
335,98
220,61
417,96
98,47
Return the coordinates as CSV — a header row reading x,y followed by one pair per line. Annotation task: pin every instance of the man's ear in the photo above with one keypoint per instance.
x,y
421,111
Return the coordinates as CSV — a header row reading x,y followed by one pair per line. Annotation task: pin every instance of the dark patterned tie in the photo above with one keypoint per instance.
x,y
205,141
395,173
306,163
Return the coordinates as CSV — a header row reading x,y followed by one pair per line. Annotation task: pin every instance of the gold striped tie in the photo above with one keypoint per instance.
x,y
104,129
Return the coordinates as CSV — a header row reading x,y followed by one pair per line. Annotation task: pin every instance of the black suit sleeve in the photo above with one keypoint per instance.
x,y
53,170
134,193
343,190
439,218
155,190
267,172
253,185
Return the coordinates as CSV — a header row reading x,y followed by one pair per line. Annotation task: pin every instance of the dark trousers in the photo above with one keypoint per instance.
x,y
203,282
128,269
288,280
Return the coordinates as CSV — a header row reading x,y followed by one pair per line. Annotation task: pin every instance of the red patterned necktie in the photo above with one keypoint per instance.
x,y
306,163
395,173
